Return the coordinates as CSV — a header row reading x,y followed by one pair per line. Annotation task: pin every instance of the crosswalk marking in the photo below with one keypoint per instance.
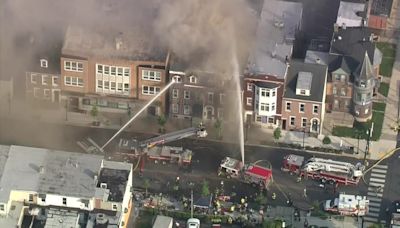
x,y
381,166
378,175
379,171
375,194
373,214
370,219
374,204
374,199
377,180
376,184
375,209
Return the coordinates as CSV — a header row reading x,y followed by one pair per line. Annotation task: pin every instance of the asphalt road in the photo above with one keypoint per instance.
x,y
206,159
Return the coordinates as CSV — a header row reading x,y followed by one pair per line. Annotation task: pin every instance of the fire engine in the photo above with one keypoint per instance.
x,y
350,205
324,169
248,173
153,151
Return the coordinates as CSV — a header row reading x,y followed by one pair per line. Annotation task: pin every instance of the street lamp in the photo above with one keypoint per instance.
x,y
369,134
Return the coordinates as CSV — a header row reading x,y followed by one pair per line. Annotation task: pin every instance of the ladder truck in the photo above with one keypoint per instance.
x,y
153,150
326,170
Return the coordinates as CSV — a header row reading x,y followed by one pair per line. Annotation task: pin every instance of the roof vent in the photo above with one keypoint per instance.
x,y
103,185
41,169
318,60
118,41
339,38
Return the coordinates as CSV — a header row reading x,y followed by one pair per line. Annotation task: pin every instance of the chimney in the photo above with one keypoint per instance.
x,y
41,169
318,60
95,178
118,41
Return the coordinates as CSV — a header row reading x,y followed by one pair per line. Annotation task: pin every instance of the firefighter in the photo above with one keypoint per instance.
x,y
273,195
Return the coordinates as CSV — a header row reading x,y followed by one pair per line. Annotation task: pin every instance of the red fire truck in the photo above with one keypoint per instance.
x,y
324,169
248,173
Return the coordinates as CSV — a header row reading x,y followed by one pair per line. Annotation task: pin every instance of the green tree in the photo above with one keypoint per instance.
x,y
162,121
218,128
94,112
146,186
277,134
205,190
326,140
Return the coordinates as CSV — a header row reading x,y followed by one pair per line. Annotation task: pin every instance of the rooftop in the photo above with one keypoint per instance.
x,y
268,85
319,75
116,178
350,14
381,7
276,31
129,44
304,80
49,171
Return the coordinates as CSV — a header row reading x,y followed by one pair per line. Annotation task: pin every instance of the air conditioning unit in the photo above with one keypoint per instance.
x,y
103,185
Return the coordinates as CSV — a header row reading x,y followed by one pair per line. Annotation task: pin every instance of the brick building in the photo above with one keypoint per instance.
x,y
116,71
303,105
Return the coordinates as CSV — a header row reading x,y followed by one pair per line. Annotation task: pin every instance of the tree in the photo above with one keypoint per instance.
x,y
326,140
162,121
94,113
277,134
205,190
218,127
146,185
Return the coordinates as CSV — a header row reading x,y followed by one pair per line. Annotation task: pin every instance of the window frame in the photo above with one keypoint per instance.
x,y
186,92
290,120
175,96
249,86
317,108
249,101
304,107
290,106
44,63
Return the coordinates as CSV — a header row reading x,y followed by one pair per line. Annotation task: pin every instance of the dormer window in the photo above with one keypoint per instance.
x,y
177,79
304,82
193,79
43,63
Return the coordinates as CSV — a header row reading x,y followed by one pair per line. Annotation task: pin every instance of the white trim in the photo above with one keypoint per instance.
x,y
75,82
173,108
177,93
48,96
76,68
44,76
184,110
184,94
35,92
147,77
194,86
177,78
177,72
151,90
52,80
300,107
249,86
249,101
315,113
44,63
34,76
193,81
290,121
302,122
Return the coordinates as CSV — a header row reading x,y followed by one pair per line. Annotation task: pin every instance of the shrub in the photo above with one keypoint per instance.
x,y
326,140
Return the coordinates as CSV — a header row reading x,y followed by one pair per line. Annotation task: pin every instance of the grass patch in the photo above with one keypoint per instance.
x,y
360,129
379,106
145,220
389,53
384,89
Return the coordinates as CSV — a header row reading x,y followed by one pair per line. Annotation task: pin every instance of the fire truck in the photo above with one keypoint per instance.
x,y
154,151
350,205
248,173
326,170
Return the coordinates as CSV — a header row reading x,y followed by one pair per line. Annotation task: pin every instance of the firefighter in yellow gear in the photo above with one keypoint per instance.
x,y
273,196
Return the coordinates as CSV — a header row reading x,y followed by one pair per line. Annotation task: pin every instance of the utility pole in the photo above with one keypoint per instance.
x,y
304,135
369,134
191,203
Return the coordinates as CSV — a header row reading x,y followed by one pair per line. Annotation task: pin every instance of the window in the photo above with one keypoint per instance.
x,y
267,93
43,63
343,91
343,78
273,92
114,207
151,75
150,90
264,92
303,122
34,78
36,92
193,79
113,70
271,120
127,72
210,97
292,120
249,86
45,80
288,106
126,87
46,93
99,69
74,81
64,201
303,92
106,70
175,93
186,109
2,207
264,107
221,98
273,107
346,103
177,79
86,101
249,101
301,107
113,85
120,71
55,80
73,66
336,104
122,105
334,90
106,85
315,109
99,84
175,108
366,111
337,77
186,94
30,197
362,84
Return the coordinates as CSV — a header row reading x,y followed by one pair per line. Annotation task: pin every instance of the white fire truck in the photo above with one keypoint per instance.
x,y
324,169
350,205
170,154
248,173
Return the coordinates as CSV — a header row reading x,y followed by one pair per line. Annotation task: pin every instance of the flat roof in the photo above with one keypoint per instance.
x,y
350,14
49,172
278,24
132,44
381,7
162,221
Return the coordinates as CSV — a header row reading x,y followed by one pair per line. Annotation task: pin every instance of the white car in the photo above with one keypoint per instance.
x,y
193,223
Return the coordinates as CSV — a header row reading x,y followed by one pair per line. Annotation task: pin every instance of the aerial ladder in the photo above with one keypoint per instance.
x,y
328,165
